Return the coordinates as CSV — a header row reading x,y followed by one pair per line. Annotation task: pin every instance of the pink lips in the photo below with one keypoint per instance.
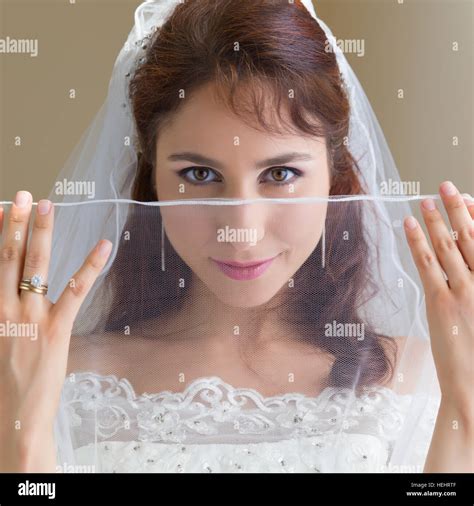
x,y
243,271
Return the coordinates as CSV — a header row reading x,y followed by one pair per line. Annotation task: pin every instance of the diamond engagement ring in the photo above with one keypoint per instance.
x,y
34,284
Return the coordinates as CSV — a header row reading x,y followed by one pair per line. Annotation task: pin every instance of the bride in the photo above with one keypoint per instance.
x,y
255,278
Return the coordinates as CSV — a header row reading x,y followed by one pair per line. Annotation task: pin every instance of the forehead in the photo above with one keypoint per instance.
x,y
205,124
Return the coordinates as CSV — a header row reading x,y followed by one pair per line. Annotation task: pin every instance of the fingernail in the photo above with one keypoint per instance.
x,y
22,198
104,248
429,204
410,222
44,206
448,188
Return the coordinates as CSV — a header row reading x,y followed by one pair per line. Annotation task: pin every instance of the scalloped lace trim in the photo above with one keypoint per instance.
x,y
211,410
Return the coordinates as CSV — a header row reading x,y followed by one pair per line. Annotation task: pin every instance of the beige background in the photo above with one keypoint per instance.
x,y
407,46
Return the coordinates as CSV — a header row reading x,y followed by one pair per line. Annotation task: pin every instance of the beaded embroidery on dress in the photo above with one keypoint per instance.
x,y
214,427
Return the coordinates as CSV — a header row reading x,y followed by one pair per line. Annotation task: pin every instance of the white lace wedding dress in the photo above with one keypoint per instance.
x,y
213,427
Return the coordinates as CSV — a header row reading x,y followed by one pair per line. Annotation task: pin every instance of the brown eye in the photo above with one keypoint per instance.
x,y
279,174
201,174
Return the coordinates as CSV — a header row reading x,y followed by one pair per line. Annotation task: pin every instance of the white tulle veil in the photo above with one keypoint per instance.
x,y
107,156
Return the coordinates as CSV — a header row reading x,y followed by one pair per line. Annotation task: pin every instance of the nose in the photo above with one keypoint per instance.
x,y
245,222
242,225
241,188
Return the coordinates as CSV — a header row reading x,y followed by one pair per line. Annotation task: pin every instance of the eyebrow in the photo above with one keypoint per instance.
x,y
275,160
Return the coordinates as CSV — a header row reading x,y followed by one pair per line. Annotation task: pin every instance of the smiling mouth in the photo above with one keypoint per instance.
x,y
244,271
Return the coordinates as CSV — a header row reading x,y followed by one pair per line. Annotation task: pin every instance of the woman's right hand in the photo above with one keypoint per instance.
x,y
33,367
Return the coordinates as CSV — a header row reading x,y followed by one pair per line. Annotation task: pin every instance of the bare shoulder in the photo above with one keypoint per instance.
x,y
411,352
149,364
116,353
104,353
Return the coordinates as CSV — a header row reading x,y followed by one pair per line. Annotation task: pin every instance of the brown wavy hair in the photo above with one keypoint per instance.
x,y
282,48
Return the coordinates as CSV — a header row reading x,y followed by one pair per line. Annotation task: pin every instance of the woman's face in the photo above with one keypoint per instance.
x,y
205,151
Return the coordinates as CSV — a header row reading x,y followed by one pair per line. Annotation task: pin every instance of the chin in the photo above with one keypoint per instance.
x,y
245,295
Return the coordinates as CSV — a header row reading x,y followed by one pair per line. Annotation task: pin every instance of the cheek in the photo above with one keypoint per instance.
x,y
300,227
189,229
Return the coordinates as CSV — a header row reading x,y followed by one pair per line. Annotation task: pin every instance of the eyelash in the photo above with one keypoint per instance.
x,y
184,172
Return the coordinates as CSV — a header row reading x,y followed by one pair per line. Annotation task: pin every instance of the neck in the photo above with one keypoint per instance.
x,y
217,319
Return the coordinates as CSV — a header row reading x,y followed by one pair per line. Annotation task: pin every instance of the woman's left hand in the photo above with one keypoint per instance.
x,y
449,304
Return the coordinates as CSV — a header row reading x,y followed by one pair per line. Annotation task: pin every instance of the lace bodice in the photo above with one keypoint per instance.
x,y
214,427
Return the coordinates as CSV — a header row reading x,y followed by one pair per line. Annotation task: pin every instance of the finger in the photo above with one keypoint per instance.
x,y
2,213
39,252
13,247
469,201
461,221
444,245
426,262
70,301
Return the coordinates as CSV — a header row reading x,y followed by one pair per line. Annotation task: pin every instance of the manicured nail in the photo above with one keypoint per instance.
x,y
448,188
104,248
410,222
429,204
22,198
44,206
